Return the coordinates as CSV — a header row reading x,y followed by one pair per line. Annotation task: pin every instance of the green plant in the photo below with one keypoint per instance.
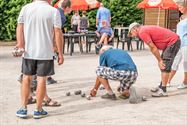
x,y
123,13
9,12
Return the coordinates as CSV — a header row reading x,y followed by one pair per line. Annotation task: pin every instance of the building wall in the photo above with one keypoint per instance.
x,y
151,17
168,18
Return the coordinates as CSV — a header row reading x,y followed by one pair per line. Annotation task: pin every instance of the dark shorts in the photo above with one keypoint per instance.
x,y
169,54
74,28
38,67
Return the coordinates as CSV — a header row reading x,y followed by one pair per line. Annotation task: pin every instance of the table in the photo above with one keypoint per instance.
x,y
120,29
71,38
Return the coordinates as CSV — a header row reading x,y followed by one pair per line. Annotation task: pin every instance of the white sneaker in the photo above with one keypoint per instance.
x,y
168,85
182,86
160,93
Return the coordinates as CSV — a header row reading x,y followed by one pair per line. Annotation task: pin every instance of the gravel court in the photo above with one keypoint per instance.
x,y
78,72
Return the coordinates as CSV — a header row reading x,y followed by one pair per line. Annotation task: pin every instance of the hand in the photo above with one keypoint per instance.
x,y
19,46
93,92
161,65
18,50
60,59
110,39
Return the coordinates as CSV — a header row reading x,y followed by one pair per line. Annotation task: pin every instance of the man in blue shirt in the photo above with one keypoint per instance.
x,y
102,14
115,64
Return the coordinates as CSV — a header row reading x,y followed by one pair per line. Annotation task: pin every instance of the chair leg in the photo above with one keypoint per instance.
x,y
123,45
137,45
117,44
80,46
68,45
131,46
90,45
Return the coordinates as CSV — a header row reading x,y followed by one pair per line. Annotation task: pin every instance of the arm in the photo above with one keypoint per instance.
x,y
71,20
97,19
20,36
59,44
58,37
156,53
88,23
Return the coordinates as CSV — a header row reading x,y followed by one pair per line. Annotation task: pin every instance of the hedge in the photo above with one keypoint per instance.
x,y
123,13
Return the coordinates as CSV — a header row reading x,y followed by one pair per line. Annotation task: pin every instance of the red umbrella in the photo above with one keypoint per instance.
x,y
161,4
80,4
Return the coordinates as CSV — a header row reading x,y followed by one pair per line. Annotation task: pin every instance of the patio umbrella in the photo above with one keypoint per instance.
x,y
161,4
80,4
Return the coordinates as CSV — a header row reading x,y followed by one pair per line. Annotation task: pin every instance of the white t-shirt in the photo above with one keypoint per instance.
x,y
75,19
39,20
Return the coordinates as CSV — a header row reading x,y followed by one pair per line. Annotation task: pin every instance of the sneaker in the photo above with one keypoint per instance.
x,y
160,93
51,81
155,89
168,85
108,96
22,113
182,86
133,95
40,114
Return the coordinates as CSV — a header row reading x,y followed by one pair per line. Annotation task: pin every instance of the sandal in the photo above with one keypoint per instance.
x,y
51,103
31,100
123,97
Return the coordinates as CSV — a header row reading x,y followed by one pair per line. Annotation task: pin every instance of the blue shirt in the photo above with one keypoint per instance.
x,y
182,32
117,59
107,30
103,14
63,17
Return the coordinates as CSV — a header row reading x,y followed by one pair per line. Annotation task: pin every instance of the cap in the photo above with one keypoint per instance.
x,y
132,25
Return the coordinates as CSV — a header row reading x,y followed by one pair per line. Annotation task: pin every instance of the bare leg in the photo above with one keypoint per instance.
x,y
106,40
40,92
171,75
165,77
25,90
185,78
105,83
93,92
102,38
97,84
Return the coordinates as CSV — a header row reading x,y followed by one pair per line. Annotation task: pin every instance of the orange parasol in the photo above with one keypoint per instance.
x,y
80,4
161,4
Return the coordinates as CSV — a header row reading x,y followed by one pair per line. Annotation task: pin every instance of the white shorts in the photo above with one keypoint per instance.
x,y
177,60
181,56
184,53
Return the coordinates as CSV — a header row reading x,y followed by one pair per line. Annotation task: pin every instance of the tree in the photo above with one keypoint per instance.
x,y
123,13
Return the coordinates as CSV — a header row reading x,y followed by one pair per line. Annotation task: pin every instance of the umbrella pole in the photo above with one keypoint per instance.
x,y
158,19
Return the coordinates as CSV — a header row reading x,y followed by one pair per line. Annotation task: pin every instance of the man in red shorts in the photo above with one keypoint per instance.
x,y
158,38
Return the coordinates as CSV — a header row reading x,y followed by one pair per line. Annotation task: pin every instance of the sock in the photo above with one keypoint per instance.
x,y
160,86
164,88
